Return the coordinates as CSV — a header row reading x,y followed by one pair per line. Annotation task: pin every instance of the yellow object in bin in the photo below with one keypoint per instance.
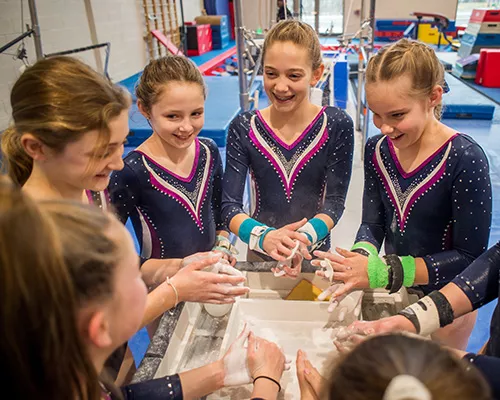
x,y
304,290
430,35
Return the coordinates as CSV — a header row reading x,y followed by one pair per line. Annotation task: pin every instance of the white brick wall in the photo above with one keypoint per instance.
x,y
64,25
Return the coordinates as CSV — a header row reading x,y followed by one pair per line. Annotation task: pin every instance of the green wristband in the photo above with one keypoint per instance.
x,y
370,248
409,267
378,272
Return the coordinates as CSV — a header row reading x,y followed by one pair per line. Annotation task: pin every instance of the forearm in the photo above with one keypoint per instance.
x,y
236,221
199,382
326,219
155,271
458,299
421,272
159,300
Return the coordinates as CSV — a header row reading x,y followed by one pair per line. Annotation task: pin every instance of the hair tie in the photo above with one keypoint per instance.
x,y
403,387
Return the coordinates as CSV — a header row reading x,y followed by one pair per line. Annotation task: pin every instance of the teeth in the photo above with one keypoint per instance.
x,y
283,98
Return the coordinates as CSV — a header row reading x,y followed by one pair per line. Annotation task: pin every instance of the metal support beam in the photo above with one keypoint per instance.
x,y
36,30
316,15
240,48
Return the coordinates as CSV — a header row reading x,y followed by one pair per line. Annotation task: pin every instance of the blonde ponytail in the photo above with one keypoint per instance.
x,y
15,161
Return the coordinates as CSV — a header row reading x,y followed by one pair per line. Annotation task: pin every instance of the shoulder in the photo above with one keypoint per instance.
x,y
463,142
211,145
339,116
242,121
371,143
467,150
132,158
132,166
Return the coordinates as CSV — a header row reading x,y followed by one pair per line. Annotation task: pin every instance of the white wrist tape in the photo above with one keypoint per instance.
x,y
255,235
309,230
427,315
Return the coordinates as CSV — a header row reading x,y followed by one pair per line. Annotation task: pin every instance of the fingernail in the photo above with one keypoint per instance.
x,y
306,371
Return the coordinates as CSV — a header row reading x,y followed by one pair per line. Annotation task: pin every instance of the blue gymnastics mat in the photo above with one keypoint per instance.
x,y
221,106
463,102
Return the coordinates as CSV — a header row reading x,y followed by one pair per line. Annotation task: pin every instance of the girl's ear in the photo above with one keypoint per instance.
x,y
142,109
34,147
98,330
436,95
317,74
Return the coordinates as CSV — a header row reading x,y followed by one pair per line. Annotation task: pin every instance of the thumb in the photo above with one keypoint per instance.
x,y
251,343
200,264
345,253
296,225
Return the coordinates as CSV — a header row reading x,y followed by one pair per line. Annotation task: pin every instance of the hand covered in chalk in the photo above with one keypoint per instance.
x,y
345,338
349,303
223,267
345,303
250,356
265,358
279,243
292,266
347,266
194,283
236,371
311,382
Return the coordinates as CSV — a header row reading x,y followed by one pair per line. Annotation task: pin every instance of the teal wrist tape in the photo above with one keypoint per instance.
x,y
246,229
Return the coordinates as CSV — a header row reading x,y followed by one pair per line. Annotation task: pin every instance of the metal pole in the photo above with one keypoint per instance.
x,y
369,53
296,8
359,105
240,47
316,16
36,29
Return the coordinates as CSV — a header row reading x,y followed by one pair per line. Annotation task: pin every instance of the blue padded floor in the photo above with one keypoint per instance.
x,y
492,93
463,102
221,106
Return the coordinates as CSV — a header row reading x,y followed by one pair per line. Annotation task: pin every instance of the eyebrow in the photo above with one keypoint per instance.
x,y
288,70
391,112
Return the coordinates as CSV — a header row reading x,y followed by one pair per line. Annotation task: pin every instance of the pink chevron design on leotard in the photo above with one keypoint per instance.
x,y
403,205
288,177
193,208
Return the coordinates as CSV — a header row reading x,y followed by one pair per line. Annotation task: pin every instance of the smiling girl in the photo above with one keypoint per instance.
x,y
171,185
299,155
427,189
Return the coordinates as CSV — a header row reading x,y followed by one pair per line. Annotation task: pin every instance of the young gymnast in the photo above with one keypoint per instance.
x,y
471,289
299,155
171,185
393,367
70,274
427,189
70,126
68,133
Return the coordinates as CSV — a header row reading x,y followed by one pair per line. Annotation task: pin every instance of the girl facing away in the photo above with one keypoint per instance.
x,y
427,191
299,155
68,133
393,367
72,293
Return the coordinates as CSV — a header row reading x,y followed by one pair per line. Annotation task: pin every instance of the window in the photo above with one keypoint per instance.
x,y
331,15
465,7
